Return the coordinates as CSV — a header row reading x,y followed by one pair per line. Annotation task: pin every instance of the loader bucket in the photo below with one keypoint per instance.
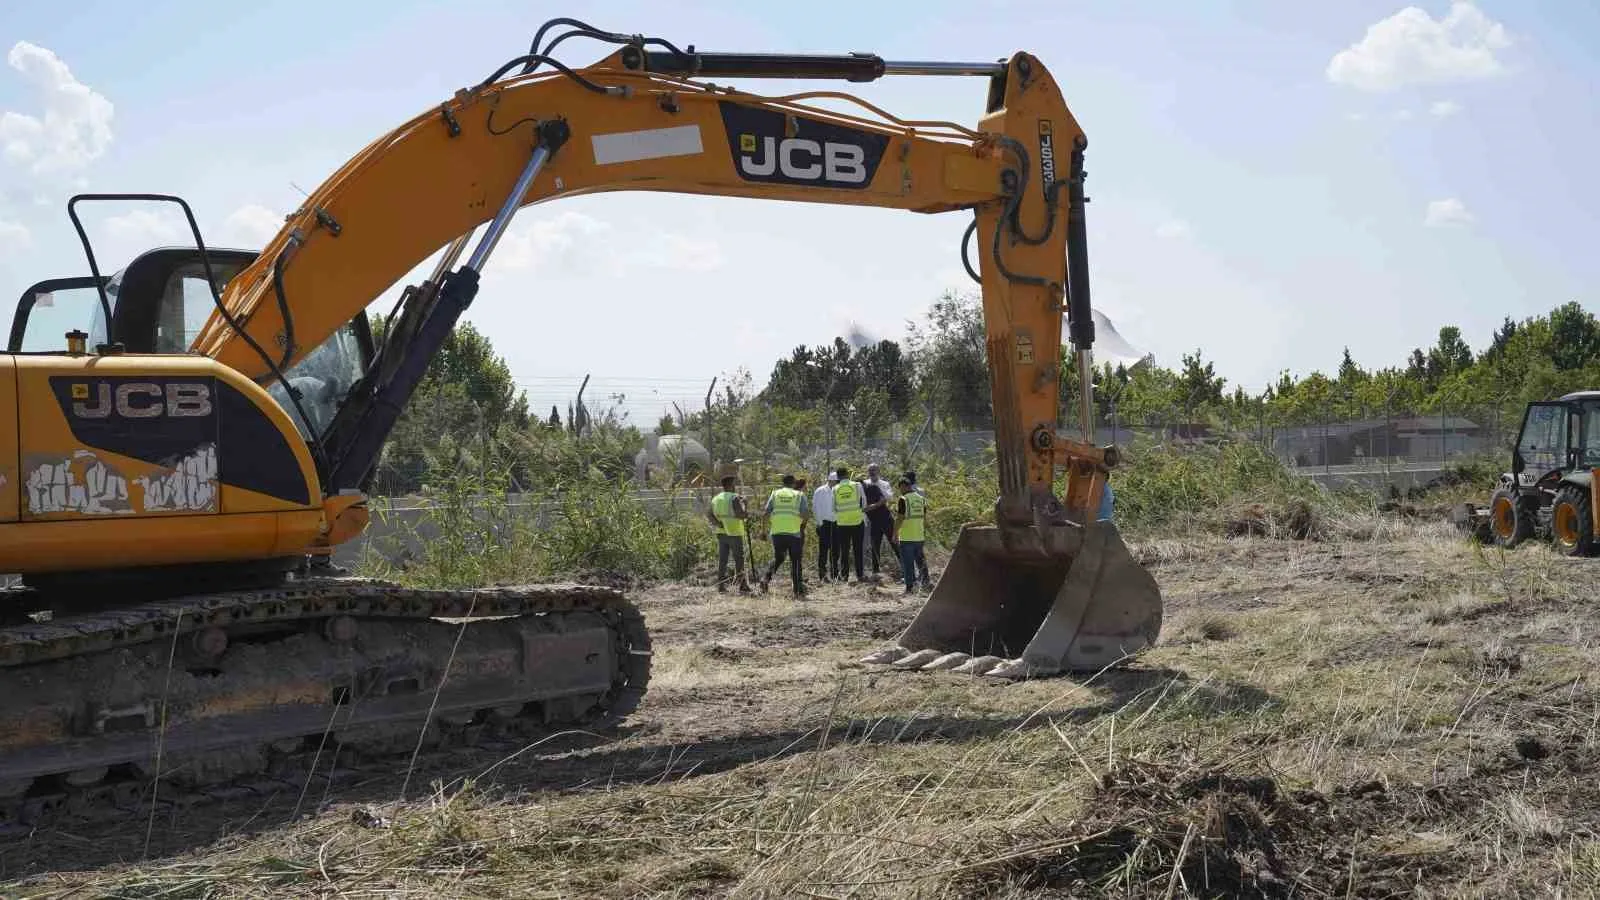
x,y
1064,598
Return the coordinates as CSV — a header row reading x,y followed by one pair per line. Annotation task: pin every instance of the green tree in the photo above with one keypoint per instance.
x,y
1449,356
467,360
467,397
950,358
1574,337
883,367
1199,385
1502,337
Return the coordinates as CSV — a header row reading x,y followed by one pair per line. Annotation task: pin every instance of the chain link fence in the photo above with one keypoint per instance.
x,y
523,470
1374,438
685,446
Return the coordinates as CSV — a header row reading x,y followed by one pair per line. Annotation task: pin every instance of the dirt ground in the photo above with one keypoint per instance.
x,y
1383,712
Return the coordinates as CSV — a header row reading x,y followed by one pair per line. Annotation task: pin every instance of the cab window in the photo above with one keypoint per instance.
x,y
50,314
186,304
1591,433
324,378
1544,437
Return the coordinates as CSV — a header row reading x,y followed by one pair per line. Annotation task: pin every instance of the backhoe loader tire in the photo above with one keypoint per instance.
x,y
1510,520
1572,522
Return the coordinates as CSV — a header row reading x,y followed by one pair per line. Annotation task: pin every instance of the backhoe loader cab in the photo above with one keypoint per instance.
x,y
1550,491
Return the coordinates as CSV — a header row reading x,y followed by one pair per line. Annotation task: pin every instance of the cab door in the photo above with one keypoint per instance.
x,y
10,440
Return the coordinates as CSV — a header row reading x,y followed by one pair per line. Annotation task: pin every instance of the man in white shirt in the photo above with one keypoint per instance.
x,y
822,510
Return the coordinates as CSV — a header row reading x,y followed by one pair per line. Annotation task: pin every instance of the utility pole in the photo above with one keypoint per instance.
x,y
710,452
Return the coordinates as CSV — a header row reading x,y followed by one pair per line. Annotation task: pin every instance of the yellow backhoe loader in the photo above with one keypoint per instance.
x,y
176,472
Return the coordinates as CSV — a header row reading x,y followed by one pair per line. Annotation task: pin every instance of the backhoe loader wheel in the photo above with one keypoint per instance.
x,y
1571,522
1510,520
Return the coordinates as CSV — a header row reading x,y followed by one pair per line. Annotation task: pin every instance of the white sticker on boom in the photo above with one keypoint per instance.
x,y
652,143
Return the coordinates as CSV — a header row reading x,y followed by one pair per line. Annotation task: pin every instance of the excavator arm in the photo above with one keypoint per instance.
x,y
632,122
1047,586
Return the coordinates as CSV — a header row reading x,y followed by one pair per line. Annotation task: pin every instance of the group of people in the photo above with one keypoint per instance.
x,y
850,516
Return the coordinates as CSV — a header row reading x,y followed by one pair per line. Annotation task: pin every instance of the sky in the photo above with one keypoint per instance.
x,y
1270,182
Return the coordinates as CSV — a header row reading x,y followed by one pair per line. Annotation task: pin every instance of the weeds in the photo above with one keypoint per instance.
x,y
595,526
1327,720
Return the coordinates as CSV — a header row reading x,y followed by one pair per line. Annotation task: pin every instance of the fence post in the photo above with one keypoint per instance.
x,y
1326,413
1388,427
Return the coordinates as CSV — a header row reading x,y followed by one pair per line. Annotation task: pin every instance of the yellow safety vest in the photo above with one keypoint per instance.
x,y
722,508
916,510
785,511
846,504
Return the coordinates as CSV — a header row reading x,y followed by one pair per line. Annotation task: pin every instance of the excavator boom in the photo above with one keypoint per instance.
x,y
631,122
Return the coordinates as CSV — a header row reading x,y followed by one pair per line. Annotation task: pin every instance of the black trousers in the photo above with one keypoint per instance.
x,y
880,528
786,545
848,539
729,547
827,550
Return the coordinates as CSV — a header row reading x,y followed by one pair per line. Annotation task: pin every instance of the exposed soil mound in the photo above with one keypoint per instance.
x,y
1295,519
1220,834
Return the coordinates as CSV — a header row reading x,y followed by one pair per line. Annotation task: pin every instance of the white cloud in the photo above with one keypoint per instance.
x,y
1444,108
14,236
1411,48
562,241
576,243
1355,116
1402,115
250,226
682,252
1172,228
1446,213
143,229
73,128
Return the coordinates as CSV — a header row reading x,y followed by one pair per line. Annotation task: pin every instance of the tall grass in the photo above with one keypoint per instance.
x,y
1208,487
594,526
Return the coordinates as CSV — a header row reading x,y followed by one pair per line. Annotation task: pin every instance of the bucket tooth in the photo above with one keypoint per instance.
x,y
1038,601
917,659
947,661
978,665
885,656
1017,669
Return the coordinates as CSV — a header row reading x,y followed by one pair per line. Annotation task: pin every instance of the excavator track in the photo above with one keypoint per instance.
x,y
216,695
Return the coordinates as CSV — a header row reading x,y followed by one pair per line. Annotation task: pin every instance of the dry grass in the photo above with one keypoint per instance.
x,y
1381,710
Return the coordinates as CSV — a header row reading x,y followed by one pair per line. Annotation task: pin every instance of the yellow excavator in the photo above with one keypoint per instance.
x,y
174,477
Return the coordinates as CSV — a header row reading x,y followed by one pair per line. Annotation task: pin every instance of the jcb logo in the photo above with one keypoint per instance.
x,y
803,159
1047,155
141,400
771,147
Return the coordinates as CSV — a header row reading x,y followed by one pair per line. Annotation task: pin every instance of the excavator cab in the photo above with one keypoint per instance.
x,y
155,302
159,301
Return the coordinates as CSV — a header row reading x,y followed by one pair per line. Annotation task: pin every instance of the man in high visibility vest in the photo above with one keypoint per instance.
x,y
805,516
728,514
786,512
912,513
849,511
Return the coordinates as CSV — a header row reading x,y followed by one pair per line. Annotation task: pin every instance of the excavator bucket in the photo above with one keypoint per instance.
x,y
1033,602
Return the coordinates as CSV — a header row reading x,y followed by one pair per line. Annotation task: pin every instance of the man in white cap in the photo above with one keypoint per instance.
x,y
822,510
